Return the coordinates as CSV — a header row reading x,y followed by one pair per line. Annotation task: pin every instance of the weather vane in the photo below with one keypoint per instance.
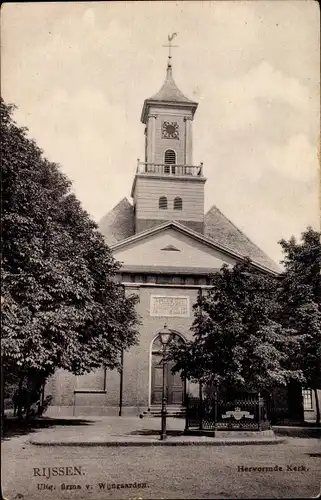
x,y
170,45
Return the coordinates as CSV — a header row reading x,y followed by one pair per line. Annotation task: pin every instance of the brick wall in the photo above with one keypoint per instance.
x,y
137,361
136,372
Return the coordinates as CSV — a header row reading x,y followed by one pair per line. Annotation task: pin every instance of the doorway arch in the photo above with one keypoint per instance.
x,y
174,384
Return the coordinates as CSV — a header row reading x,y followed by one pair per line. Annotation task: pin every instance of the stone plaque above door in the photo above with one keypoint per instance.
x,y
169,305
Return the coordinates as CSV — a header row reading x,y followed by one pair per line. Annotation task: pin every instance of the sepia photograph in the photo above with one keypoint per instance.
x,y
160,260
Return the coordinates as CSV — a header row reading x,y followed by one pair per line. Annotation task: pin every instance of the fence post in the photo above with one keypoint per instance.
x,y
259,412
201,406
215,411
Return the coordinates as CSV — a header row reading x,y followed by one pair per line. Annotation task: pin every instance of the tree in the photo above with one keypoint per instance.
x,y
238,342
61,304
300,297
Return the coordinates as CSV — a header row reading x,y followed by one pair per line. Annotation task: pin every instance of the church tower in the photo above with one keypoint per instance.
x,y
167,186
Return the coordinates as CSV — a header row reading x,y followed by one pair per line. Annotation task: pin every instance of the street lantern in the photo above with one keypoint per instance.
x,y
165,336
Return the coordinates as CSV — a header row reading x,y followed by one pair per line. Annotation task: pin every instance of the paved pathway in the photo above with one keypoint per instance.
x,y
133,431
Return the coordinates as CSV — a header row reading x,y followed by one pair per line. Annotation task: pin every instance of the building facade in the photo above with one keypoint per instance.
x,y
167,246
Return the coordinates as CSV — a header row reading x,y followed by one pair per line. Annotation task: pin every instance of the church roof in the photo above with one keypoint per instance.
x,y
170,91
118,225
220,229
169,94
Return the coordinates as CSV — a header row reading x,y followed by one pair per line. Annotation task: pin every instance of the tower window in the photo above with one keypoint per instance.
x,y
170,157
162,203
178,203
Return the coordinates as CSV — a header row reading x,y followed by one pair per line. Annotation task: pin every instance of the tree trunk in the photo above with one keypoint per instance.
x,y
19,409
317,406
3,416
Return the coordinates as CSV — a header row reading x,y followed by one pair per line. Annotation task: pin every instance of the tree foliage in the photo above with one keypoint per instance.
x,y
61,304
256,331
301,303
238,340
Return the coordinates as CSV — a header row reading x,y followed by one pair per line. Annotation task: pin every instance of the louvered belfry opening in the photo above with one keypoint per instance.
x,y
178,203
162,203
170,159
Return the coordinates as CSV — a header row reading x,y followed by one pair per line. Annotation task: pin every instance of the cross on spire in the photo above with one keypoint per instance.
x,y
170,46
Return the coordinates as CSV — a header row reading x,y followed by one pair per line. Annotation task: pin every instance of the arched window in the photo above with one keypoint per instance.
x,y
162,203
157,346
169,159
178,203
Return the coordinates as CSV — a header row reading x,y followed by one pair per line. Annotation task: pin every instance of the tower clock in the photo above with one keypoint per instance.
x,y
170,130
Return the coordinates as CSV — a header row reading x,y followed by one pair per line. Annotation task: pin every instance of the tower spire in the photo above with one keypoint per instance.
x,y
170,46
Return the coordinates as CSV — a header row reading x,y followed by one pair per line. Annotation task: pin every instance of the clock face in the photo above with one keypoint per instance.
x,y
170,130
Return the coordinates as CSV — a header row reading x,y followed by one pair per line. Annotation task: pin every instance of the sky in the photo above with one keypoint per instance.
x,y
79,73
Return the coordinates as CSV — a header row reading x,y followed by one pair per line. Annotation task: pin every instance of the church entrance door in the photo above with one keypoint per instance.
x,y
174,385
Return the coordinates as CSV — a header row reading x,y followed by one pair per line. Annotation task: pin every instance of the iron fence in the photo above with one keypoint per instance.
x,y
226,413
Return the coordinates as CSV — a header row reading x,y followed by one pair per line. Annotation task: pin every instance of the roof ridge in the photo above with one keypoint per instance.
x,y
118,222
121,202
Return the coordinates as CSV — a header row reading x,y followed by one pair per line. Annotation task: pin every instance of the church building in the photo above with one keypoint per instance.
x,y
167,246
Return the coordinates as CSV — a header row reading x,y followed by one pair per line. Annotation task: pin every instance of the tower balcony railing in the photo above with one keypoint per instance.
x,y
169,169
